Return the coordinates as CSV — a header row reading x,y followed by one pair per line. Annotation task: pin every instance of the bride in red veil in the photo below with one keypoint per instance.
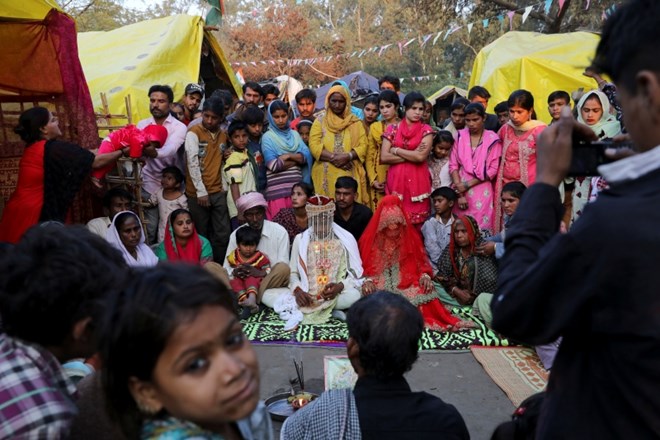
x,y
394,259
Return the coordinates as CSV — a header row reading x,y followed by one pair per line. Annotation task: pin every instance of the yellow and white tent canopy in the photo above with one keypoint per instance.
x,y
132,58
540,63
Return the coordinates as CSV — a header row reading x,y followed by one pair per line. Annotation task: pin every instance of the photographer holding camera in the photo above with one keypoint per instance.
x,y
598,286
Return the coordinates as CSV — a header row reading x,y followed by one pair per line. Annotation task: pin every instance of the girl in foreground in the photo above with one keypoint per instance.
x,y
177,363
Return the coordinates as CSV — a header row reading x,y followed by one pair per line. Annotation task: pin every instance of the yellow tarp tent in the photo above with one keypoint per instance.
x,y
132,58
536,62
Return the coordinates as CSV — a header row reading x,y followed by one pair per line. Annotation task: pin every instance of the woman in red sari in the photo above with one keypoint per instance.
x,y
49,176
405,148
394,260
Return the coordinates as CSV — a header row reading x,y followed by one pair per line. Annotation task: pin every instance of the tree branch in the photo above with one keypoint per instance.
x,y
514,7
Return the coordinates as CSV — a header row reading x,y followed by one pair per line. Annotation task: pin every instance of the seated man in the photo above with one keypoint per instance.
x,y
274,243
53,283
115,201
351,215
384,331
325,269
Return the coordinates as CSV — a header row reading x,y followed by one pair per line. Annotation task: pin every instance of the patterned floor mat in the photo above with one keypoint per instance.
x,y
266,327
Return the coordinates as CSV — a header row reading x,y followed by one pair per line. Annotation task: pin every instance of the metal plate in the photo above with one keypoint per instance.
x,y
279,407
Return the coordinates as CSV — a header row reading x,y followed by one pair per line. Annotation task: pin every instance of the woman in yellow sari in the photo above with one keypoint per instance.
x,y
388,104
338,143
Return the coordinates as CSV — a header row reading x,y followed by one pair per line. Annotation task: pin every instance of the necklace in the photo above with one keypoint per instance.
x,y
478,142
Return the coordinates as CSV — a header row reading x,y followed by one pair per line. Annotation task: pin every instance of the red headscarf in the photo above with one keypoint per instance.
x,y
473,233
191,253
413,261
409,135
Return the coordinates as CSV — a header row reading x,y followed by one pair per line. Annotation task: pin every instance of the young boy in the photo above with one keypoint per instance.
x,y
239,174
438,160
247,267
437,229
457,116
115,201
502,112
556,101
271,93
306,104
253,117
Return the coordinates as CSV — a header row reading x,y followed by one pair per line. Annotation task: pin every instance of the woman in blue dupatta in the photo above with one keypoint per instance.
x,y
288,160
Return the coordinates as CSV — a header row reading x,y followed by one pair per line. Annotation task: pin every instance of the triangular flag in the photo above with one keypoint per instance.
x,y
485,22
501,20
510,14
469,26
588,3
383,49
401,80
425,40
548,4
561,6
409,41
436,37
528,10
446,34
400,43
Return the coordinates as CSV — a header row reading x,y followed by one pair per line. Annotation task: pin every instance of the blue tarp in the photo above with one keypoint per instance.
x,y
361,84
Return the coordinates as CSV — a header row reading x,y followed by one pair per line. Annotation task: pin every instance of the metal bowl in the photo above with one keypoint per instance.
x,y
279,407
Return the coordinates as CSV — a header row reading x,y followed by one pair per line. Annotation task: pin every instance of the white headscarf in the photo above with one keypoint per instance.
x,y
145,256
607,127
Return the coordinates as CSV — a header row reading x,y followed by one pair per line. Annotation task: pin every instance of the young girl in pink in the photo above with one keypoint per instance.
x,y
519,138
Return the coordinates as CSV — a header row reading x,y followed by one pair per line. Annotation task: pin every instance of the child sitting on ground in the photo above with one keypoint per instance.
x,y
247,267
169,197
438,160
139,143
239,173
436,231
178,365
511,194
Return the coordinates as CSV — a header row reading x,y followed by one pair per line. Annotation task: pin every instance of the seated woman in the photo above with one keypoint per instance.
x,y
463,272
178,365
395,260
294,219
126,234
325,269
182,242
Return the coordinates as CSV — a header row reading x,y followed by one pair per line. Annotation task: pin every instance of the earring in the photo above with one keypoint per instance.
x,y
146,409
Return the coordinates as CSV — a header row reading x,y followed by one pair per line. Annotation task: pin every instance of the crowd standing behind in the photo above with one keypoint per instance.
x,y
426,209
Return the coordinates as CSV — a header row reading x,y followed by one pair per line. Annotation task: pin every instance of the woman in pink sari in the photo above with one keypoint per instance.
x,y
473,166
519,137
405,148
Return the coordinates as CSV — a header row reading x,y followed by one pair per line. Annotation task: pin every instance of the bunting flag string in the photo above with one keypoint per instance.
x,y
421,40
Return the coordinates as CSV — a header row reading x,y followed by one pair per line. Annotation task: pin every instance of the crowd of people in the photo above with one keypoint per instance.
x,y
382,217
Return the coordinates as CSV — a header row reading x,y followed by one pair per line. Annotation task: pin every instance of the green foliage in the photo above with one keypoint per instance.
x,y
256,30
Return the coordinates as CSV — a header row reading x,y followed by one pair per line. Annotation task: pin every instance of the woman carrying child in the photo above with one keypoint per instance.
x,y
177,363
288,160
473,165
182,243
